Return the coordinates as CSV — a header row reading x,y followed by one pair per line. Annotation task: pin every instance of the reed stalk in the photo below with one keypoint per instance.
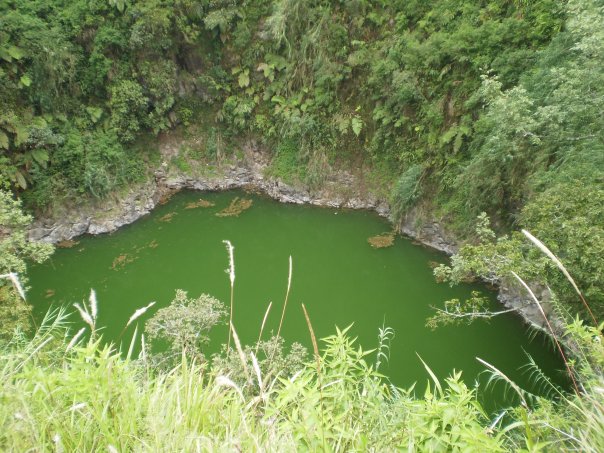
x,y
240,352
289,283
315,348
549,326
541,246
262,327
231,272
137,314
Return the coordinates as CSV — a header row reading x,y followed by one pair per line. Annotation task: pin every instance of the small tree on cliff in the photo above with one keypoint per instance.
x,y
15,250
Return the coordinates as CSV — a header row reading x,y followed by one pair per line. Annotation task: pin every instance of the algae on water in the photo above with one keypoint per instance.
x,y
237,206
168,217
120,261
381,240
201,203
67,244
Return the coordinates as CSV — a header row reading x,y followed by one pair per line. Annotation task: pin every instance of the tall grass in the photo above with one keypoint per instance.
x,y
289,284
231,272
89,398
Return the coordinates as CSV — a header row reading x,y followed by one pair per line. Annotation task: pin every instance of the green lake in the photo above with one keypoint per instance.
x,y
340,278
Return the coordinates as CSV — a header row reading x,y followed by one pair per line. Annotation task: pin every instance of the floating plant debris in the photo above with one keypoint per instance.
x,y
237,206
151,245
67,244
201,203
120,261
381,240
168,217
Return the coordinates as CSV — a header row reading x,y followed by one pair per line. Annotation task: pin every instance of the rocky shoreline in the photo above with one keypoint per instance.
x,y
341,189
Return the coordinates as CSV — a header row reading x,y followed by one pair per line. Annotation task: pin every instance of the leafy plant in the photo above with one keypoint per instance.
x,y
183,327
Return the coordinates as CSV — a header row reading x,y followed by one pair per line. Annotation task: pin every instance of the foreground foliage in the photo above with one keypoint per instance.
x,y
62,393
15,251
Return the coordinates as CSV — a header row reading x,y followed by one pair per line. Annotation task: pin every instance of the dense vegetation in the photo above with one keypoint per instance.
x,y
455,109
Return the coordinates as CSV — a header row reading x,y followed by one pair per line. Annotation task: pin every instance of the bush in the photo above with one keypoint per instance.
x,y
406,191
128,109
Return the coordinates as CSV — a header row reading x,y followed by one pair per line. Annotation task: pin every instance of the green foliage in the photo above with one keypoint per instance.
x,y
575,238
344,406
286,164
94,163
545,131
185,324
406,190
272,359
160,84
457,312
568,219
84,395
15,251
128,106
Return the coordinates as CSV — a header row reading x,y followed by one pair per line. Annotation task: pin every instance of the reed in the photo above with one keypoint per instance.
x,y
239,351
289,283
551,331
231,272
137,314
89,312
268,309
541,246
94,399
14,278
317,356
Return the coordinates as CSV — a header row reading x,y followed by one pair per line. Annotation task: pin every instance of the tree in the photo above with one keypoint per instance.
x,y
184,325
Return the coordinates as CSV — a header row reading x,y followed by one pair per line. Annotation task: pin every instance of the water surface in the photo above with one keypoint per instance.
x,y
340,278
